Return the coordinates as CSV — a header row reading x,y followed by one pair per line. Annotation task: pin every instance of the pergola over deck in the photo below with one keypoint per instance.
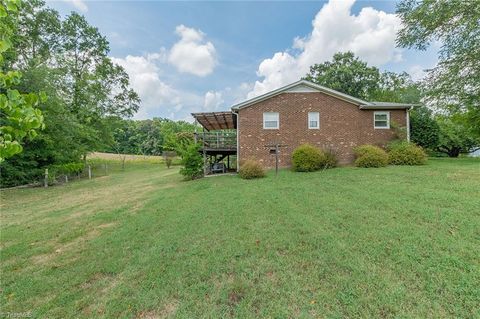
x,y
218,139
212,121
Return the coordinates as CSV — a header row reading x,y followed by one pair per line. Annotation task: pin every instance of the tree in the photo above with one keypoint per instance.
x,y
454,84
399,88
67,59
456,136
20,117
347,74
423,127
192,163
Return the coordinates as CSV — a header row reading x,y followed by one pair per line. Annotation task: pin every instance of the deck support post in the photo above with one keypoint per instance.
x,y
204,154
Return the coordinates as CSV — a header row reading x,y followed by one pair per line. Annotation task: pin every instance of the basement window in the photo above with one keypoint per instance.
x,y
271,121
381,120
313,120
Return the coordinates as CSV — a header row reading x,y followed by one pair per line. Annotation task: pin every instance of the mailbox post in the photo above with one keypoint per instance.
x,y
274,150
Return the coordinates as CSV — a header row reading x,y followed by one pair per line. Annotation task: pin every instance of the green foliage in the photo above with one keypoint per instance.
x,y
399,88
192,163
20,116
455,81
251,169
329,159
424,130
68,60
370,156
67,169
347,74
168,157
405,153
457,135
308,158
149,137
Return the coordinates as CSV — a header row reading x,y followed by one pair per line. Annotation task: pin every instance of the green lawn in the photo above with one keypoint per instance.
x,y
390,242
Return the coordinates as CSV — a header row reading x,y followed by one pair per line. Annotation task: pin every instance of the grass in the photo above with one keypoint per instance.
x,y
348,242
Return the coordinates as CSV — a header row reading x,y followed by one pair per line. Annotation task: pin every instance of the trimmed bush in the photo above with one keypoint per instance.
x,y
405,153
192,163
306,158
251,169
370,156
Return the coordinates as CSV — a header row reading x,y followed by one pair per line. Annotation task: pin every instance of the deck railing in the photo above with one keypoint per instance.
x,y
218,140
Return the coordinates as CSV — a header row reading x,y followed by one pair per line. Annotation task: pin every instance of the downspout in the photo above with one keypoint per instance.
x,y
408,124
238,139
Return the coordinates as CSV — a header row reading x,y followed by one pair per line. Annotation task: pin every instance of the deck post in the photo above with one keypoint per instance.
x,y
204,154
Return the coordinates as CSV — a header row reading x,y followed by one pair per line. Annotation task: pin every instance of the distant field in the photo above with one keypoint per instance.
x,y
128,157
393,242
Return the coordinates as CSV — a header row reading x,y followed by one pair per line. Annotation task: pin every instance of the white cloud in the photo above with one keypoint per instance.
x,y
158,97
191,54
417,72
370,35
213,100
79,4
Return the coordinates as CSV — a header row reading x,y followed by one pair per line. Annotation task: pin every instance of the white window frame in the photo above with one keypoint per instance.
x,y
265,114
316,118
381,113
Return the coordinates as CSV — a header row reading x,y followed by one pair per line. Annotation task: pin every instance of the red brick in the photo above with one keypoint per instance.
x,y
343,126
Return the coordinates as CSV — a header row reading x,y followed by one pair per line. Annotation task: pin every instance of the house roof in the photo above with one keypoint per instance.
x,y
216,120
307,86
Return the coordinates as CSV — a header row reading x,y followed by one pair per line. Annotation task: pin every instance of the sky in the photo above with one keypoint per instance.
x,y
197,56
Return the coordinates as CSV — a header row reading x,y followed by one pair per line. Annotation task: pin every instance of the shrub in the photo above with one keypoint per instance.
x,y
307,158
192,163
329,159
168,157
406,153
370,156
251,169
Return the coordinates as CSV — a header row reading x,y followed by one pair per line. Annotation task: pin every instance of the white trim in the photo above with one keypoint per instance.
x,y
278,121
388,120
317,119
302,88
408,124
306,83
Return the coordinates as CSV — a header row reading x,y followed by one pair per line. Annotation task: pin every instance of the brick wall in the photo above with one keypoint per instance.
x,y
342,127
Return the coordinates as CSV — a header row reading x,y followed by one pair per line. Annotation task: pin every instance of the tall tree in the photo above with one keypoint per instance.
x,y
456,136
347,74
454,84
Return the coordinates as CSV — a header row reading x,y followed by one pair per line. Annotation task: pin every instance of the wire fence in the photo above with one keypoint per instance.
x,y
94,168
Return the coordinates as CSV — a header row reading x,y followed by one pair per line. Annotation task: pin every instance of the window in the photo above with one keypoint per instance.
x,y
270,121
313,120
381,119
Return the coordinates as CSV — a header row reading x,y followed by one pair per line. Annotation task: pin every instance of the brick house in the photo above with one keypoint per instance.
x,y
301,112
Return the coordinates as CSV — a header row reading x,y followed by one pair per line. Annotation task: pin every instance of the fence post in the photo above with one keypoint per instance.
x,y
45,181
105,168
89,172
66,178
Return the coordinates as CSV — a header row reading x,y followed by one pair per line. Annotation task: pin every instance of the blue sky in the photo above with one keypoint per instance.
x,y
185,57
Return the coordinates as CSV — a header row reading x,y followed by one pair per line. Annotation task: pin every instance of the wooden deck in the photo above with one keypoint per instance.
x,y
217,148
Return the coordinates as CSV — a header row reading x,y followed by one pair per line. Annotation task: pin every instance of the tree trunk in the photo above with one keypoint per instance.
x,y
453,152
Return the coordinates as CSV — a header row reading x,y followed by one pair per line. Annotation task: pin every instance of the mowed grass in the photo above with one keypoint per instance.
x,y
398,242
